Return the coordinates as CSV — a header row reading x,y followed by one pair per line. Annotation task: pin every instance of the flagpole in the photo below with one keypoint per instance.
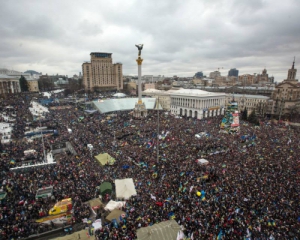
x,y
44,152
157,158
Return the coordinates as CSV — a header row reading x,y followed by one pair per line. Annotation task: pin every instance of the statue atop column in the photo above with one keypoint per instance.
x,y
140,47
140,110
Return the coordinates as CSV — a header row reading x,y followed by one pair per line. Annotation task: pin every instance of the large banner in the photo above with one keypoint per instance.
x,y
235,120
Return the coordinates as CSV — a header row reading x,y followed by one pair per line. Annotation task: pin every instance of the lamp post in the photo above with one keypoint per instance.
x,y
157,150
114,142
44,152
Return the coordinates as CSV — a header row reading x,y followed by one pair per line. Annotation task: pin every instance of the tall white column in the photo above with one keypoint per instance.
x,y
12,87
140,81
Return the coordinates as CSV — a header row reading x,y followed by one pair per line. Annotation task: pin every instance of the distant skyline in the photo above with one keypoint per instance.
x,y
180,37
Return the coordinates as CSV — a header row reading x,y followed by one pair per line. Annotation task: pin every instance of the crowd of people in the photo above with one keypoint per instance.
x,y
250,189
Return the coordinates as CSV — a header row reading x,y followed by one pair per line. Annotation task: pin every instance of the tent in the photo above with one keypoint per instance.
x,y
97,224
125,188
83,235
105,187
111,205
95,203
166,230
115,214
104,159
120,95
202,161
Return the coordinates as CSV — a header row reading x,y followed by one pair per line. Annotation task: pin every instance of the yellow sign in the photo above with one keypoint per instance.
x,y
44,219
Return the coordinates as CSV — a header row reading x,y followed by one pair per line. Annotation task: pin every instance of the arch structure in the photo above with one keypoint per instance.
x,y
197,103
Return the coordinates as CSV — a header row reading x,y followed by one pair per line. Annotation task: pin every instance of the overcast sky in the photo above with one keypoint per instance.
x,y
180,37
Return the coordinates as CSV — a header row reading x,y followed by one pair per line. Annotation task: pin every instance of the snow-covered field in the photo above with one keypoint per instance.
x,y
37,109
49,94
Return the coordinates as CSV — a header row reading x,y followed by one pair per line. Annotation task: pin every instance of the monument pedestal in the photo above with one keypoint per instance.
x,y
140,110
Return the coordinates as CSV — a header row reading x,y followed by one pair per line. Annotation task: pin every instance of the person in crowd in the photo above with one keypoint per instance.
x,y
249,189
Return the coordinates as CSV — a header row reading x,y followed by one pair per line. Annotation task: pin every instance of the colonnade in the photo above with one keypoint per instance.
x,y
9,87
197,107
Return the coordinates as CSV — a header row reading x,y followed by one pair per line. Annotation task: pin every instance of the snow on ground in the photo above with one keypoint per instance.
x,y
48,94
50,158
37,109
6,129
7,118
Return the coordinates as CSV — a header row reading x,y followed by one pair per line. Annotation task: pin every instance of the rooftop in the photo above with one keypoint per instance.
x,y
195,93
247,96
101,54
184,92
123,104
6,76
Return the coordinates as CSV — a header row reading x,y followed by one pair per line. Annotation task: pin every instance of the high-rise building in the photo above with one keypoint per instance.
x,y
101,73
214,74
233,72
199,75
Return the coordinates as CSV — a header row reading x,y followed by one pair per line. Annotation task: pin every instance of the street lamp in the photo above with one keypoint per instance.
x,y
157,150
114,141
44,152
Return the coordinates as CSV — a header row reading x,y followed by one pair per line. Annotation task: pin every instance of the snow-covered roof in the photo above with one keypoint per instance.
x,y
37,109
246,96
6,76
48,94
119,95
111,105
196,93
152,90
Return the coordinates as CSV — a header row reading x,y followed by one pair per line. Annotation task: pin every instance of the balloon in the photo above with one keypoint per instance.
x,y
198,194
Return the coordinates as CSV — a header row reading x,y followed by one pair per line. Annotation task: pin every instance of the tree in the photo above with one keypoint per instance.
x,y
23,84
253,118
45,84
245,114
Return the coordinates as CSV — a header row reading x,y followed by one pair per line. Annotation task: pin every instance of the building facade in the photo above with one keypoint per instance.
x,y
250,102
101,73
9,84
286,94
199,75
197,103
189,102
233,72
33,85
214,74
32,81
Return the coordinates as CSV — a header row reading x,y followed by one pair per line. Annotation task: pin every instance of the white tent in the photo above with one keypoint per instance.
x,y
125,188
167,230
111,205
120,95
97,224
202,161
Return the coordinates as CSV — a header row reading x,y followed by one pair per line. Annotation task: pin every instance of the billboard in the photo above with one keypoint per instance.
x,y
235,120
